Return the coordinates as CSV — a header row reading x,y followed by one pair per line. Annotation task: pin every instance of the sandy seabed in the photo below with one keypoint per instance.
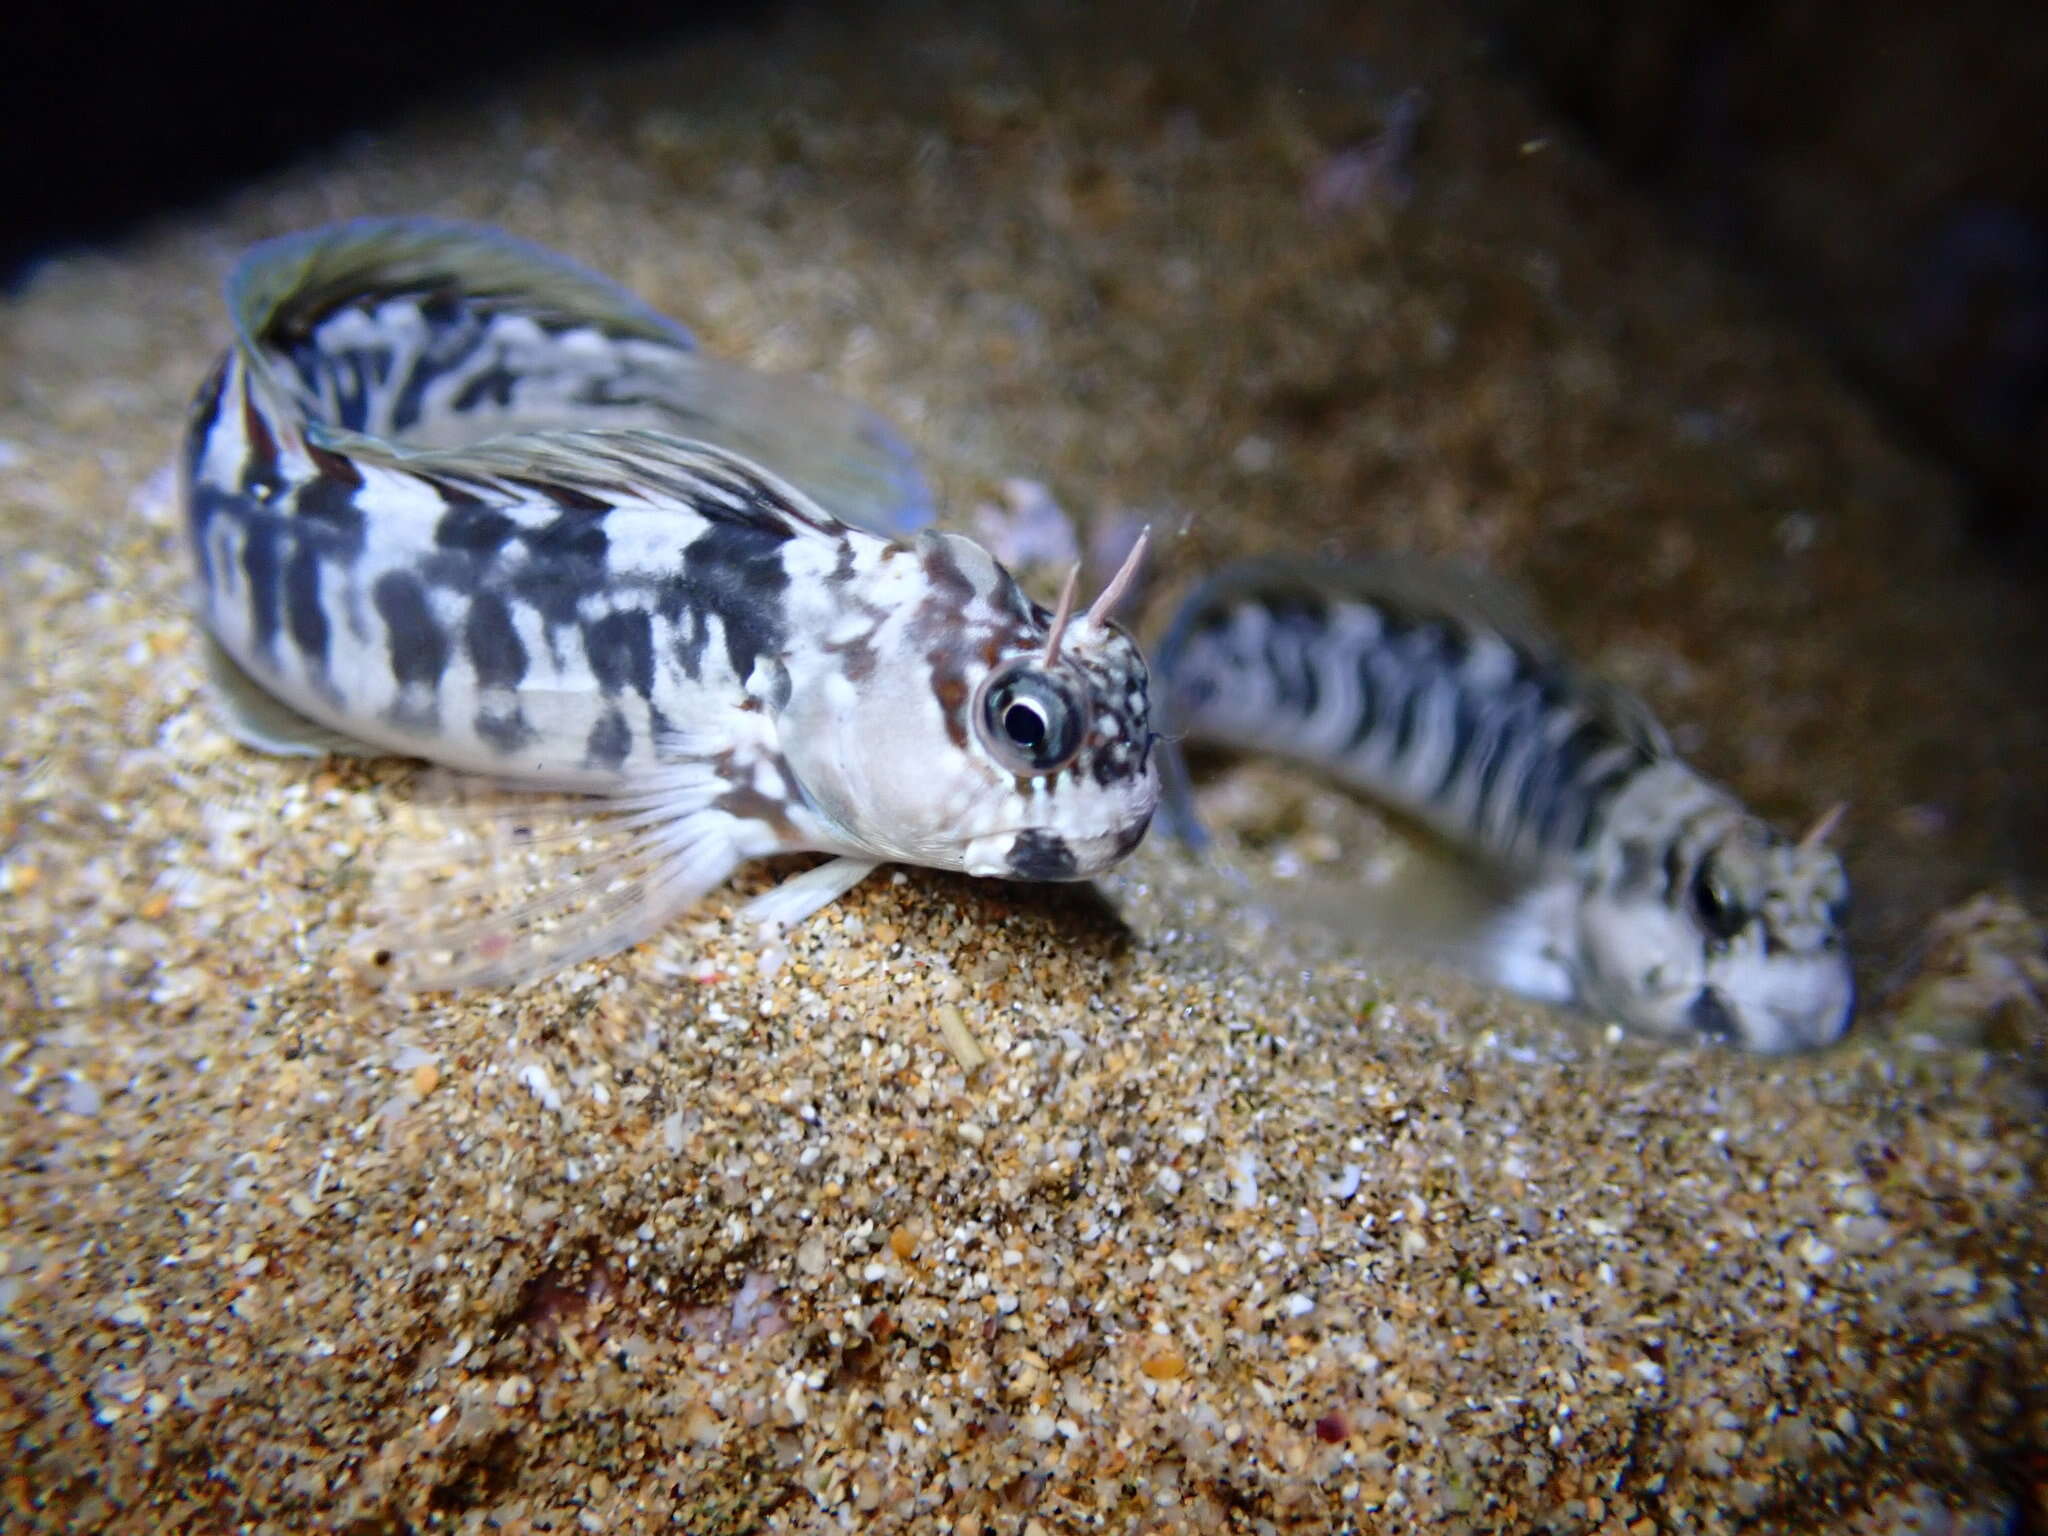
x,y
975,1207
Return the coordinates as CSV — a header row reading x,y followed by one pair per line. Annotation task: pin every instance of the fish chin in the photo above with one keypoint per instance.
x,y
1661,1013
1784,1002
1049,853
1661,981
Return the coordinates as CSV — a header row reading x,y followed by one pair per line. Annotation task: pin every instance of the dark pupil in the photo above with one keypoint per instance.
x,y
1721,918
1024,725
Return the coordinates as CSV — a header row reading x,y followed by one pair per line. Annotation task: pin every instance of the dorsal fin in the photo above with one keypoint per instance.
x,y
614,466
840,453
283,287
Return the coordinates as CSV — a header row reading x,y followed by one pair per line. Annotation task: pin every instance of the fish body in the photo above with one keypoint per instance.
x,y
452,497
1641,889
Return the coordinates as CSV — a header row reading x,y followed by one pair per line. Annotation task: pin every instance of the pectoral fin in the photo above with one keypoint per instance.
x,y
800,896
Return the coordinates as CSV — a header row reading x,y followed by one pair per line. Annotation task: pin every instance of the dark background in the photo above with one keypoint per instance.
x,y
112,111
1880,172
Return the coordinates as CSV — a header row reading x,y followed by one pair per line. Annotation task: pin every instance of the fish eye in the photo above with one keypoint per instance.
x,y
1030,720
1714,905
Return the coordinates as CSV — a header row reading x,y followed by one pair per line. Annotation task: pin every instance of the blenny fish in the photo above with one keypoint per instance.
x,y
1637,888
453,497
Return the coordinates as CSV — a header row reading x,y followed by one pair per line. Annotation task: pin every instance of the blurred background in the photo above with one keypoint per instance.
x,y
1879,172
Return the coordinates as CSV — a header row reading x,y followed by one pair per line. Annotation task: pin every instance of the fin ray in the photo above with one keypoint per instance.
x,y
804,895
628,463
520,891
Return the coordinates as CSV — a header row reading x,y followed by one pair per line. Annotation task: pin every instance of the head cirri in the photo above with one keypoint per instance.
x,y
969,728
1734,936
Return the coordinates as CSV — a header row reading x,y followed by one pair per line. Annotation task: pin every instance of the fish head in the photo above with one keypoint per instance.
x,y
1740,942
972,729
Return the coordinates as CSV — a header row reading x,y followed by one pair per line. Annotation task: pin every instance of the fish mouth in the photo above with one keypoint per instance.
x,y
1772,1026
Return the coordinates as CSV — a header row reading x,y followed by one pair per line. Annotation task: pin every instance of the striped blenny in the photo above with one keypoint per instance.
x,y
453,497
1636,887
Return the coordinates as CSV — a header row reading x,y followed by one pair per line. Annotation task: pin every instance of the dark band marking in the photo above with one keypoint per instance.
x,y
471,526
1273,657
611,740
735,570
455,334
1464,727
950,590
562,573
351,388
303,610
445,309
495,383
620,649
578,534
691,628
419,648
1491,752
1041,855
1290,658
325,511
1675,875
493,643
1405,716
260,567
507,733
1554,785
1310,678
1368,706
